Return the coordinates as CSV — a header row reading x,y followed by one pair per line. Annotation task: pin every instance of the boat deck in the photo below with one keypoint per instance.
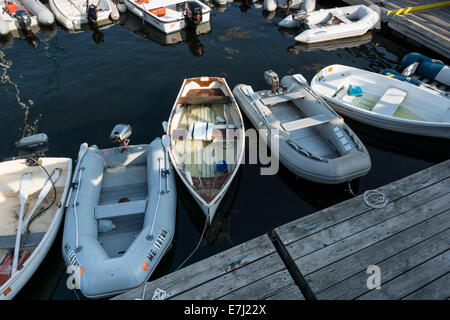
x,y
332,254
429,28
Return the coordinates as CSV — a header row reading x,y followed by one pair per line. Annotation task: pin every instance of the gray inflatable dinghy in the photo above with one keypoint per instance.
x,y
314,141
120,217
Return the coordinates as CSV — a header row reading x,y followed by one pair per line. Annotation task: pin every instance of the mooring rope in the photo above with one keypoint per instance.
x,y
375,198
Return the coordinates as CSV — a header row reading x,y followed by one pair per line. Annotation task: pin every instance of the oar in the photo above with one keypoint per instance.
x,y
83,149
24,192
44,192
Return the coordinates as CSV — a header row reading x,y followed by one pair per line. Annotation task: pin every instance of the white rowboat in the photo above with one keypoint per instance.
x,y
207,139
386,102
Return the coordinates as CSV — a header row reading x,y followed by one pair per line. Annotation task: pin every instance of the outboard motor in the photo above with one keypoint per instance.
x,y
121,134
23,18
300,15
91,13
194,12
31,147
272,79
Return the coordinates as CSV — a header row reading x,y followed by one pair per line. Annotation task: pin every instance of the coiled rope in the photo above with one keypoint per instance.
x,y
375,198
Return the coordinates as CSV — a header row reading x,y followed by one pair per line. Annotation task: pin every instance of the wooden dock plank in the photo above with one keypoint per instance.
x,y
367,220
279,284
417,277
334,275
232,281
390,268
328,217
217,275
439,289
430,28
323,257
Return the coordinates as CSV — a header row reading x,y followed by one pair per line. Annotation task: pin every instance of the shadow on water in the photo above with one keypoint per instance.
x,y
319,196
221,225
189,35
419,147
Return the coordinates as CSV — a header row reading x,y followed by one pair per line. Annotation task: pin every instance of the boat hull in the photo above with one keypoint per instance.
x,y
142,211
349,166
168,27
421,97
12,287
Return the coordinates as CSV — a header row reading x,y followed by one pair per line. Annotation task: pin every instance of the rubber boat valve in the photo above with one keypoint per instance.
x,y
121,134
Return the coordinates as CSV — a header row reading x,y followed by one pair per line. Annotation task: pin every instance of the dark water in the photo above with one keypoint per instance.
x,y
82,84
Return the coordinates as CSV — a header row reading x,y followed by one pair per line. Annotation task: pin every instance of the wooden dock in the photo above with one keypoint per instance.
x,y
430,28
326,255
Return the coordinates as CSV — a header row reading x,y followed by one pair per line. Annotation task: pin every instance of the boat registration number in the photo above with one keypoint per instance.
x,y
160,240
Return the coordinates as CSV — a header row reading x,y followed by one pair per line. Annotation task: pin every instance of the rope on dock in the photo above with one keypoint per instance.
x,y
407,10
375,198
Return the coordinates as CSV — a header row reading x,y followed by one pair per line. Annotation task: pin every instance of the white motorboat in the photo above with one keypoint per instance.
x,y
331,24
75,14
384,102
14,16
170,15
207,139
32,195
272,5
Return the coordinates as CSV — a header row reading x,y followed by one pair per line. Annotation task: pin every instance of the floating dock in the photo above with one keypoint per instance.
x,y
331,254
430,27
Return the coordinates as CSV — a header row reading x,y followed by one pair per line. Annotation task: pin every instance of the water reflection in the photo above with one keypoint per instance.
x,y
319,196
420,147
189,35
298,47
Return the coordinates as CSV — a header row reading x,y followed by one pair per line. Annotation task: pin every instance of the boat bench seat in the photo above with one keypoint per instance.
x,y
26,240
115,210
305,122
389,102
198,100
342,18
271,101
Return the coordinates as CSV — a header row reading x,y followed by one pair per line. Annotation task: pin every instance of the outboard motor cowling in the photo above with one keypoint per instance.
x,y
194,12
34,144
23,18
121,134
92,13
272,79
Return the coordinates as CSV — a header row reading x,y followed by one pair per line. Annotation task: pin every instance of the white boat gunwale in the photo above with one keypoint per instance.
x,y
181,174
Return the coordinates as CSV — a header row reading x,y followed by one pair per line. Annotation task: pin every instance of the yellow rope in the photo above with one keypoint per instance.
x,y
419,8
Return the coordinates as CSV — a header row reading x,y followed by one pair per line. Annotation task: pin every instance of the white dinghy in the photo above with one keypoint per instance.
x,y
272,5
75,14
331,24
120,218
14,16
313,141
170,15
32,193
384,102
207,139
